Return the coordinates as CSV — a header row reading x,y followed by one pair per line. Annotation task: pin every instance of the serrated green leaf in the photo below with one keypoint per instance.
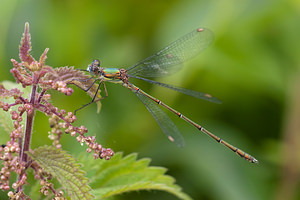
x,y
125,174
6,121
35,191
65,169
5,117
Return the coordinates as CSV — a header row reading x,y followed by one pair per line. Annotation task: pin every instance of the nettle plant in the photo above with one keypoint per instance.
x,y
57,175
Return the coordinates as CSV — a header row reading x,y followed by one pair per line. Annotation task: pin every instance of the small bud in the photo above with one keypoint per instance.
x,y
89,150
73,133
21,109
14,185
10,194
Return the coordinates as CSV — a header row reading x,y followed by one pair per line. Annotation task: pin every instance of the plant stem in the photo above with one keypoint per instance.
x,y
28,130
29,124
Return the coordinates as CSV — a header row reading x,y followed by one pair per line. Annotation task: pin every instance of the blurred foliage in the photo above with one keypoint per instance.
x,y
252,66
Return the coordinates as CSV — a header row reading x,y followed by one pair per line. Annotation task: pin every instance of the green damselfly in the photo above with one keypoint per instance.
x,y
164,62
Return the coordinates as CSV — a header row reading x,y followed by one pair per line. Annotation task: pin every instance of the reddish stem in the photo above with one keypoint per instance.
x,y
29,123
28,130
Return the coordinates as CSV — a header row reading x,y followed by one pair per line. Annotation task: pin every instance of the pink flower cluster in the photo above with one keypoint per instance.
x,y
13,157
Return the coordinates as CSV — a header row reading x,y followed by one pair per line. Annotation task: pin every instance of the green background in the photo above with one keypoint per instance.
x,y
252,66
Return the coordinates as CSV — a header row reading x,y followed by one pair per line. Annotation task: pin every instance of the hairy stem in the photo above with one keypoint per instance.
x,y
28,130
29,123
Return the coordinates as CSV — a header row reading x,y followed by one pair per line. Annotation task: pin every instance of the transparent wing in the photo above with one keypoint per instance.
x,y
196,94
163,120
168,60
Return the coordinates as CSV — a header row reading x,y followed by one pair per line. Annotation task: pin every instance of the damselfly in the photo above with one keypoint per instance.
x,y
165,62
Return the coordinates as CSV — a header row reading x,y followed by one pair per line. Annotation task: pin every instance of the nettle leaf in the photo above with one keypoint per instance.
x,y
5,118
6,122
76,77
65,169
35,191
125,174
25,46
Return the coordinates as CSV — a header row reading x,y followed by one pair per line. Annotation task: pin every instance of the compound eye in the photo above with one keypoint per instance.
x,y
96,63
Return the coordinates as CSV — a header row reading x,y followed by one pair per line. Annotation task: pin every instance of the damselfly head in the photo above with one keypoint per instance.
x,y
94,67
96,63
